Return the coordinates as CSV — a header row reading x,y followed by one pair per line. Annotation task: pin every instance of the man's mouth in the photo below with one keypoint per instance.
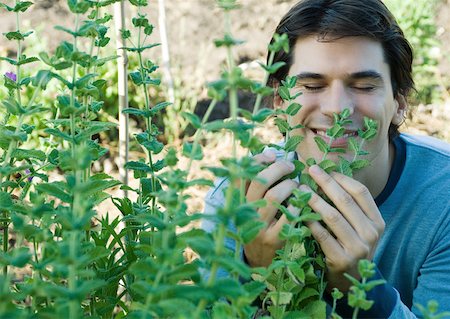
x,y
340,142
324,133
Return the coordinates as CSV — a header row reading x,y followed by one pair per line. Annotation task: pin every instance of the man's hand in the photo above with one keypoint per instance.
x,y
353,227
261,250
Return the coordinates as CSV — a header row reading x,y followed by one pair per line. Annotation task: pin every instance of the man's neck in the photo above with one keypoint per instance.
x,y
376,175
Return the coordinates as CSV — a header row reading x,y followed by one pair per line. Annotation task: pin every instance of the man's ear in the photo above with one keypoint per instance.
x,y
277,100
401,107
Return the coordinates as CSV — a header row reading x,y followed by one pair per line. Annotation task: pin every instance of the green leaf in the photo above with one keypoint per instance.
x,y
284,93
13,107
321,144
227,41
54,189
138,166
328,165
62,66
282,124
158,107
42,78
358,164
92,129
250,229
19,257
280,297
335,131
315,309
188,151
310,217
234,126
10,9
292,142
96,185
21,154
273,68
344,167
58,133
293,109
227,287
299,167
9,60
308,180
373,283
353,145
78,6
16,35
262,90
23,61
136,77
137,112
262,115
22,6
192,118
83,81
5,200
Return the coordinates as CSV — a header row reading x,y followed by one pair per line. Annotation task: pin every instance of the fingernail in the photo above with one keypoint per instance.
x,y
269,154
315,169
304,188
290,165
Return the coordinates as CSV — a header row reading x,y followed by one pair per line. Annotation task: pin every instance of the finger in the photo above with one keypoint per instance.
x,y
275,196
335,221
330,246
343,201
268,177
266,157
362,196
276,227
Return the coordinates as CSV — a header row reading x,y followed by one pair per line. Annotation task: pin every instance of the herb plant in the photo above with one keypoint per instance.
x,y
62,257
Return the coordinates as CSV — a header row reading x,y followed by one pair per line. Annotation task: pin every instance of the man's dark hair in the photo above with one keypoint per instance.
x,y
334,19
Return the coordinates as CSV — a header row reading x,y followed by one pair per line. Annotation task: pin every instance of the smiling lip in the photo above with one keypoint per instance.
x,y
340,142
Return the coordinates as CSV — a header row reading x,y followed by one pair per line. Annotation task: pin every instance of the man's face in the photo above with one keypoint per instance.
x,y
347,73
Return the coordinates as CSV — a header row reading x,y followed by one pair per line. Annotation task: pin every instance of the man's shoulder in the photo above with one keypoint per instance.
x,y
425,145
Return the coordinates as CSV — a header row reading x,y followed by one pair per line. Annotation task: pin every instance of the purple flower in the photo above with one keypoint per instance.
x,y
29,178
12,76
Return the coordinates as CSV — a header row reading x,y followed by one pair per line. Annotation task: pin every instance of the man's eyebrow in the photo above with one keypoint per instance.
x,y
309,75
371,74
367,74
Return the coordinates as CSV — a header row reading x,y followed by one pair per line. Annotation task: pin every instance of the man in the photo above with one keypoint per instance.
x,y
396,212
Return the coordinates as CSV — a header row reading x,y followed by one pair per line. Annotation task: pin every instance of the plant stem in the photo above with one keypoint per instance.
x,y
76,209
356,310
264,83
219,244
12,145
197,134
147,106
5,240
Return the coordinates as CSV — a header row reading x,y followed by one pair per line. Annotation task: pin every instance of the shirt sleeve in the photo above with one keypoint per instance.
x,y
433,283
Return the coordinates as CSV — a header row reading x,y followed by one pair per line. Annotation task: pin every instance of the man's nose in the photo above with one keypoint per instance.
x,y
337,99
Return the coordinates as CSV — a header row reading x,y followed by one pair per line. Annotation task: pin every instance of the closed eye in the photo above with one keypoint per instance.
x,y
364,88
312,88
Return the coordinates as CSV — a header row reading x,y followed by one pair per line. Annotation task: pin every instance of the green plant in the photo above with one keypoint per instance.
x,y
418,20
